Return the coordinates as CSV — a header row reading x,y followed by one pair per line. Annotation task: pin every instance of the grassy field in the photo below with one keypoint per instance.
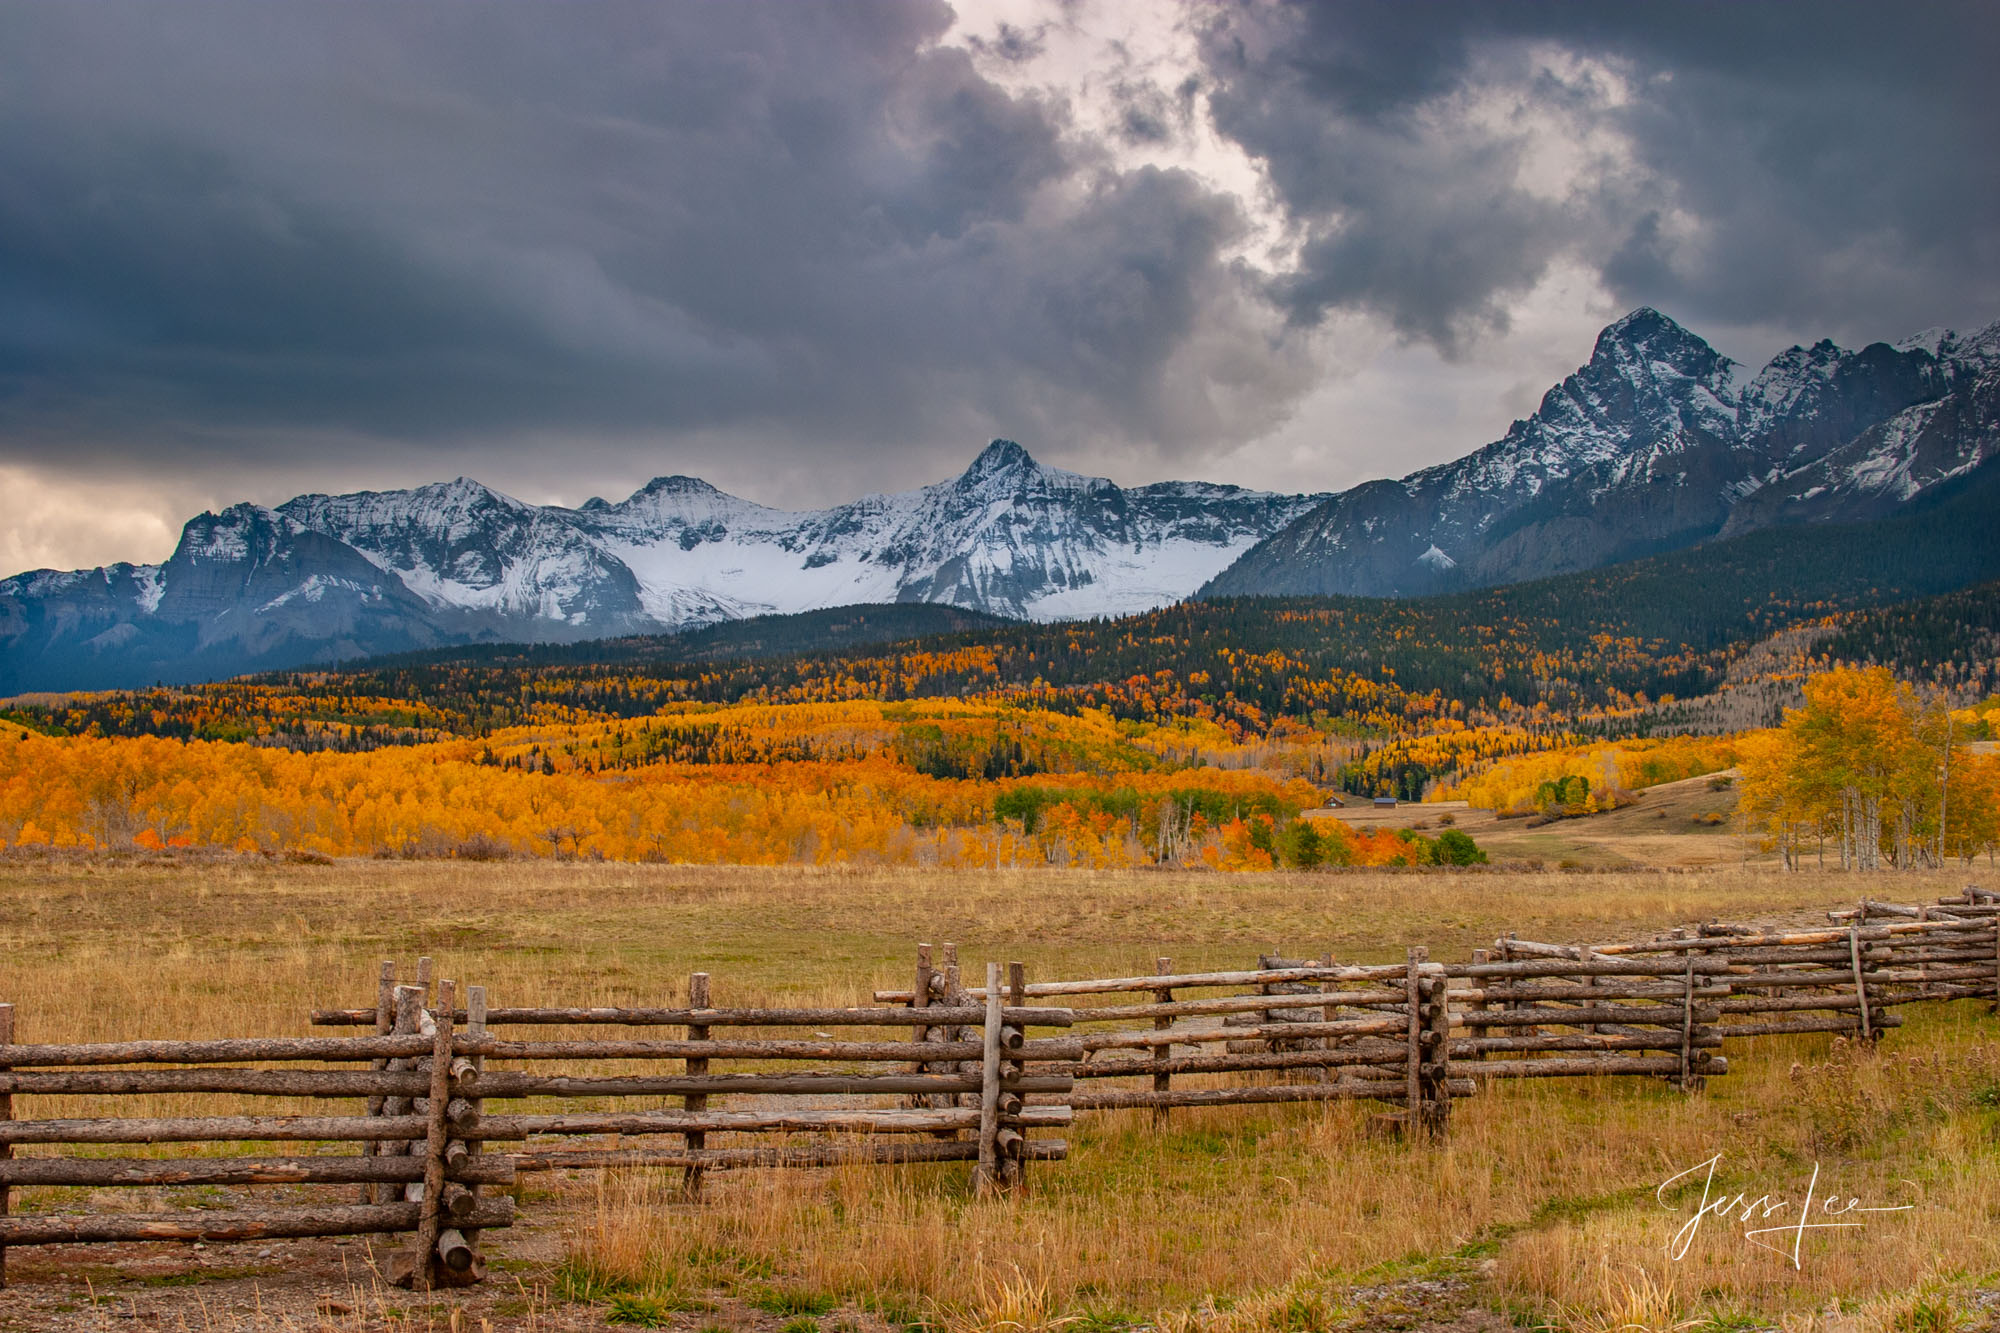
x,y
1683,824
1540,1210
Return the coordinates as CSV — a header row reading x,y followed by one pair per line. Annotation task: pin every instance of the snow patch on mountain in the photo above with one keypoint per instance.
x,y
151,586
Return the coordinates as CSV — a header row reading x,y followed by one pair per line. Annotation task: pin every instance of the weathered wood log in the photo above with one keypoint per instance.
x,y
1434,1111
457,1201
353,1219
408,1004
885,1052
1388,1090
695,1102
1180,1036
881,1017
883,1152
1838,1023
216,1129
1550,1016
1412,1032
1224,1004
231,1050
164,1171
1599,1066
987,1177
1771,1004
1787,938
1516,947
463,1113
1808,980
858,1120
1012,1144
430,1218
1162,1053
453,1250
253,1082
1535,992
1687,1079
385,1023
1584,1041
1877,955
1870,908
1181,981
1336,1058
1603,967
506,1085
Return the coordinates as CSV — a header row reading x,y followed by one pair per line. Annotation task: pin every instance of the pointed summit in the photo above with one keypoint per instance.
x,y
675,485
999,457
1648,329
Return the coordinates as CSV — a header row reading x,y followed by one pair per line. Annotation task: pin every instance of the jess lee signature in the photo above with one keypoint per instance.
x,y
1743,1210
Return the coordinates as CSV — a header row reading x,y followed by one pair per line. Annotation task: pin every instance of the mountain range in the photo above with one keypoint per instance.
x,y
1659,442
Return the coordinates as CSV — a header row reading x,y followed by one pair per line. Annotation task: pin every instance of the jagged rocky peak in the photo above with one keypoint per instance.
x,y
1001,456
1658,338
676,485
240,532
1002,465
1657,442
1669,372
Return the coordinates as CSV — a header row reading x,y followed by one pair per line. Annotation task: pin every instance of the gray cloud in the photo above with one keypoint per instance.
x,y
1820,166
238,224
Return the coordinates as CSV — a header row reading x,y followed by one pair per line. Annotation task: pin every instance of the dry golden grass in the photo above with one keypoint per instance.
x,y
1240,1221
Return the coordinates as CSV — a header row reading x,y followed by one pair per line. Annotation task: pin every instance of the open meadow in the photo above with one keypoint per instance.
x,y
1539,1210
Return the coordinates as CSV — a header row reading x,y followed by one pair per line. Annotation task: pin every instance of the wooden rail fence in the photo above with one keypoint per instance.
x,y
948,1085
1419,1034
411,1071
942,1072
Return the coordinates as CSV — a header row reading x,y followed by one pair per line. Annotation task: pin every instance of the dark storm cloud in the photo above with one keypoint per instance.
x,y
228,224
1825,165
241,238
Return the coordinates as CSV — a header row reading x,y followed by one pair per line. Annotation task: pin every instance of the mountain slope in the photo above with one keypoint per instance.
x,y
324,578
1547,653
1658,442
1663,624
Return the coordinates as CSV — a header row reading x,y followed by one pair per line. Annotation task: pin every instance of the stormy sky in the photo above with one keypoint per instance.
x,y
809,250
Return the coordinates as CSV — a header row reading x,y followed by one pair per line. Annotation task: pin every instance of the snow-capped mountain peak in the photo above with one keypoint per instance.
x,y
457,560
1658,441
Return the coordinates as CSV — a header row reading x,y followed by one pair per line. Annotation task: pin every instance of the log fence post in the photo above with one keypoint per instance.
x,y
986,1178
696,1140
954,998
1162,1081
6,1113
1860,984
1589,955
1434,1072
1014,1163
1687,1080
1996,959
1478,1006
920,998
475,1028
426,1259
928,979
1413,1064
1329,1013
408,1002
385,1023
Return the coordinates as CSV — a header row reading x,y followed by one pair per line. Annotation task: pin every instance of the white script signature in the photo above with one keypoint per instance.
x,y
1746,1210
